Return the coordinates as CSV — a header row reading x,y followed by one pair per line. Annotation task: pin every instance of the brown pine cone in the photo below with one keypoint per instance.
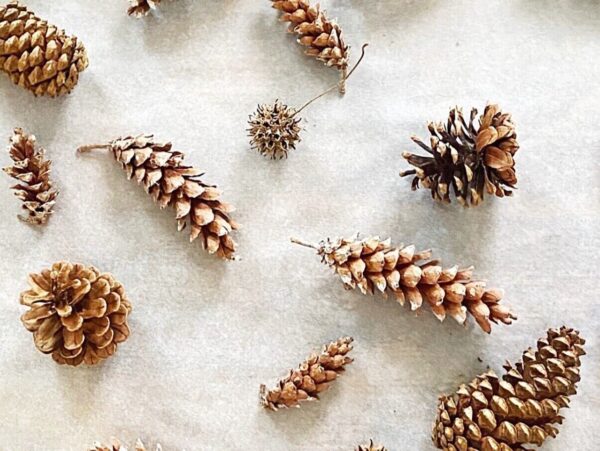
x,y
172,183
118,446
274,130
38,56
315,30
466,158
313,376
371,447
493,414
141,8
76,313
371,264
32,170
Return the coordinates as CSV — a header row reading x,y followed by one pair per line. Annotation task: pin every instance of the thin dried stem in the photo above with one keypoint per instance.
x,y
91,147
304,243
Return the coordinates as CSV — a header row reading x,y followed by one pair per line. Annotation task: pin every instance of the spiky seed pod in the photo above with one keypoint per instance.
x,y
141,8
468,159
32,170
521,409
373,264
274,130
118,446
76,313
322,37
162,173
36,55
371,447
313,376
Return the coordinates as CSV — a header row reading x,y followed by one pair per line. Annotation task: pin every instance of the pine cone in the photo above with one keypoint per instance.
x,y
118,446
171,183
492,414
32,170
371,447
76,313
274,130
466,158
371,263
38,56
141,8
313,376
315,30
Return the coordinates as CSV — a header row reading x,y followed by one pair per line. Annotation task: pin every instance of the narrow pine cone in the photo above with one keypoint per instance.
x,y
313,376
162,173
372,264
322,37
141,8
274,130
371,447
76,313
118,446
522,408
468,159
32,170
36,55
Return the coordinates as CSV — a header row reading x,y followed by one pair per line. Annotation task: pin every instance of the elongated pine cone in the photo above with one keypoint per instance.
x,y
36,55
313,376
322,37
32,170
76,313
467,158
118,446
371,447
372,264
141,8
522,408
162,173
274,130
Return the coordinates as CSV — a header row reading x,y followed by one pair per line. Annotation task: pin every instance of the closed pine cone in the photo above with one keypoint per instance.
x,y
313,376
274,130
315,30
371,447
118,446
140,8
170,182
371,264
36,55
467,158
76,313
32,170
521,409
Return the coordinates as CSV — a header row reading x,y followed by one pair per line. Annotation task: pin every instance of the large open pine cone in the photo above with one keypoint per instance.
x,y
36,55
467,158
76,313
521,409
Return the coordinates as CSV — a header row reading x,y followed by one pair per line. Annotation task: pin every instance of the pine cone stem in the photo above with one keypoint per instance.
x,y
90,147
304,243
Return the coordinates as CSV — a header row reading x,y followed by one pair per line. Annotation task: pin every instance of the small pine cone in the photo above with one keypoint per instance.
x,y
312,377
522,408
32,170
371,264
76,313
466,158
141,8
38,56
371,447
315,30
171,183
274,130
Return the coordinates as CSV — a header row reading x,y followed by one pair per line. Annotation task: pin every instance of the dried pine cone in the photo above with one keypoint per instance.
x,y
371,447
315,30
312,377
141,8
38,56
371,264
118,446
466,158
274,130
76,313
521,409
172,183
32,170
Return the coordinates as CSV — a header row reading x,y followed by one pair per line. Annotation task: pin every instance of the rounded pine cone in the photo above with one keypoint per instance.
x,y
116,445
76,313
371,447
274,130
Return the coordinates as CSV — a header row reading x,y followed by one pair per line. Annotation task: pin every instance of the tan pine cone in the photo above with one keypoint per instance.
x,y
32,170
141,8
76,313
322,37
274,130
313,376
118,446
521,409
372,264
371,447
468,159
36,55
162,173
